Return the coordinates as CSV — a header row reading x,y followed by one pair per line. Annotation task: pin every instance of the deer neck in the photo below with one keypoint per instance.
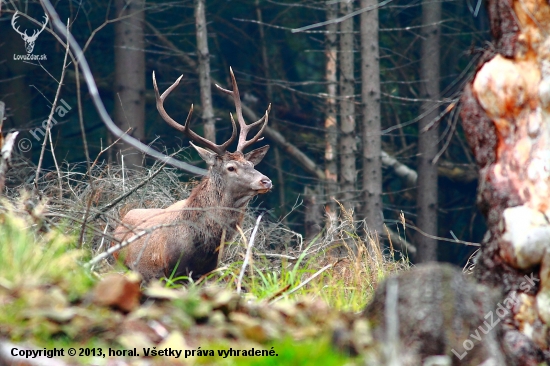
x,y
213,194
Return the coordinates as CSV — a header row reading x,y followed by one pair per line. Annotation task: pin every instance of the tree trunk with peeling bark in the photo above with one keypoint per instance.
x,y
370,97
506,118
347,144
204,71
130,75
428,136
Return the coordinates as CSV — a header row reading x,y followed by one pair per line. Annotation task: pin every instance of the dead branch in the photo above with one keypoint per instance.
x,y
98,103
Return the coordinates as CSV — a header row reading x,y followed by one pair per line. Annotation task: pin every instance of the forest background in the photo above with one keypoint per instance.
x,y
364,108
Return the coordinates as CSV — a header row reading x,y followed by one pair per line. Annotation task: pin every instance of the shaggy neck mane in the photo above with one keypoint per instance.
x,y
213,205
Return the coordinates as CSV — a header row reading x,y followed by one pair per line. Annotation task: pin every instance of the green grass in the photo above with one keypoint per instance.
x,y
31,258
286,352
39,272
347,285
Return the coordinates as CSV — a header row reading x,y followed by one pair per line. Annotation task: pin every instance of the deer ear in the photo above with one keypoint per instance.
x,y
255,156
206,155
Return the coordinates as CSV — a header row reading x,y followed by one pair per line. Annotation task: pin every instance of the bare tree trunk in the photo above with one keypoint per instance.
x,y
370,96
204,71
426,198
269,89
506,119
15,77
313,213
130,74
331,124
348,145
6,149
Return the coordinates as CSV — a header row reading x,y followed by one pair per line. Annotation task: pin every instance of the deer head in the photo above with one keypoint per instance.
x,y
234,171
29,40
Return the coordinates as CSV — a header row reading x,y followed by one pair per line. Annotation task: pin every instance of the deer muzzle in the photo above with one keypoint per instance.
x,y
265,185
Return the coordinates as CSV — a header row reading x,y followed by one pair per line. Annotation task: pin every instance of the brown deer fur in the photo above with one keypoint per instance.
x,y
195,224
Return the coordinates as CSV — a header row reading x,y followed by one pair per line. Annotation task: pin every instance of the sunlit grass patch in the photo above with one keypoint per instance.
x,y
31,258
40,275
344,278
285,352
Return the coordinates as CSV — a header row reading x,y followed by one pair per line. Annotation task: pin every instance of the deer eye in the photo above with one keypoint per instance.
x,y
231,169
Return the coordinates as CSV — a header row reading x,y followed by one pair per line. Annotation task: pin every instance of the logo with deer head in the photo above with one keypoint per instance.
x,y
29,40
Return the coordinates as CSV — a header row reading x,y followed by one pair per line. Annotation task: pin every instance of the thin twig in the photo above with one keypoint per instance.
x,y
98,103
86,152
126,194
221,247
125,243
303,283
107,148
248,253
341,19
123,180
274,255
49,126
103,237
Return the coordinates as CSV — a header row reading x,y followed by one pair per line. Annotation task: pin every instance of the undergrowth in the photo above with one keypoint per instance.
x,y
45,283
34,256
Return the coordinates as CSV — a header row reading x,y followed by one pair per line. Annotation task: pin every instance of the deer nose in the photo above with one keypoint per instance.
x,y
266,182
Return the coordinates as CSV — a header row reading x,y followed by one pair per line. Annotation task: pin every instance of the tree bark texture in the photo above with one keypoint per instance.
x,y
19,105
347,145
6,149
427,189
506,118
203,56
313,214
269,92
370,98
436,311
331,124
130,74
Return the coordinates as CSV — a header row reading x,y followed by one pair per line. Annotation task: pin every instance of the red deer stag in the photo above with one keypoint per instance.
x,y
191,230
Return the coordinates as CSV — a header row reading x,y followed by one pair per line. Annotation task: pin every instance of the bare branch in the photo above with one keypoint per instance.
x,y
341,19
98,103
248,252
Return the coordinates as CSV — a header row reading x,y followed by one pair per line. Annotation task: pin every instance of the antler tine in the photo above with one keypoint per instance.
x,y
160,103
219,149
45,23
243,143
13,19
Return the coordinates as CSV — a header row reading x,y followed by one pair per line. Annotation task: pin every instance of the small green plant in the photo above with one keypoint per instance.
x,y
40,276
31,258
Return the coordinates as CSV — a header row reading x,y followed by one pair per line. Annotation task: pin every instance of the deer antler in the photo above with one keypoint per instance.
x,y
218,149
13,19
243,143
36,32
